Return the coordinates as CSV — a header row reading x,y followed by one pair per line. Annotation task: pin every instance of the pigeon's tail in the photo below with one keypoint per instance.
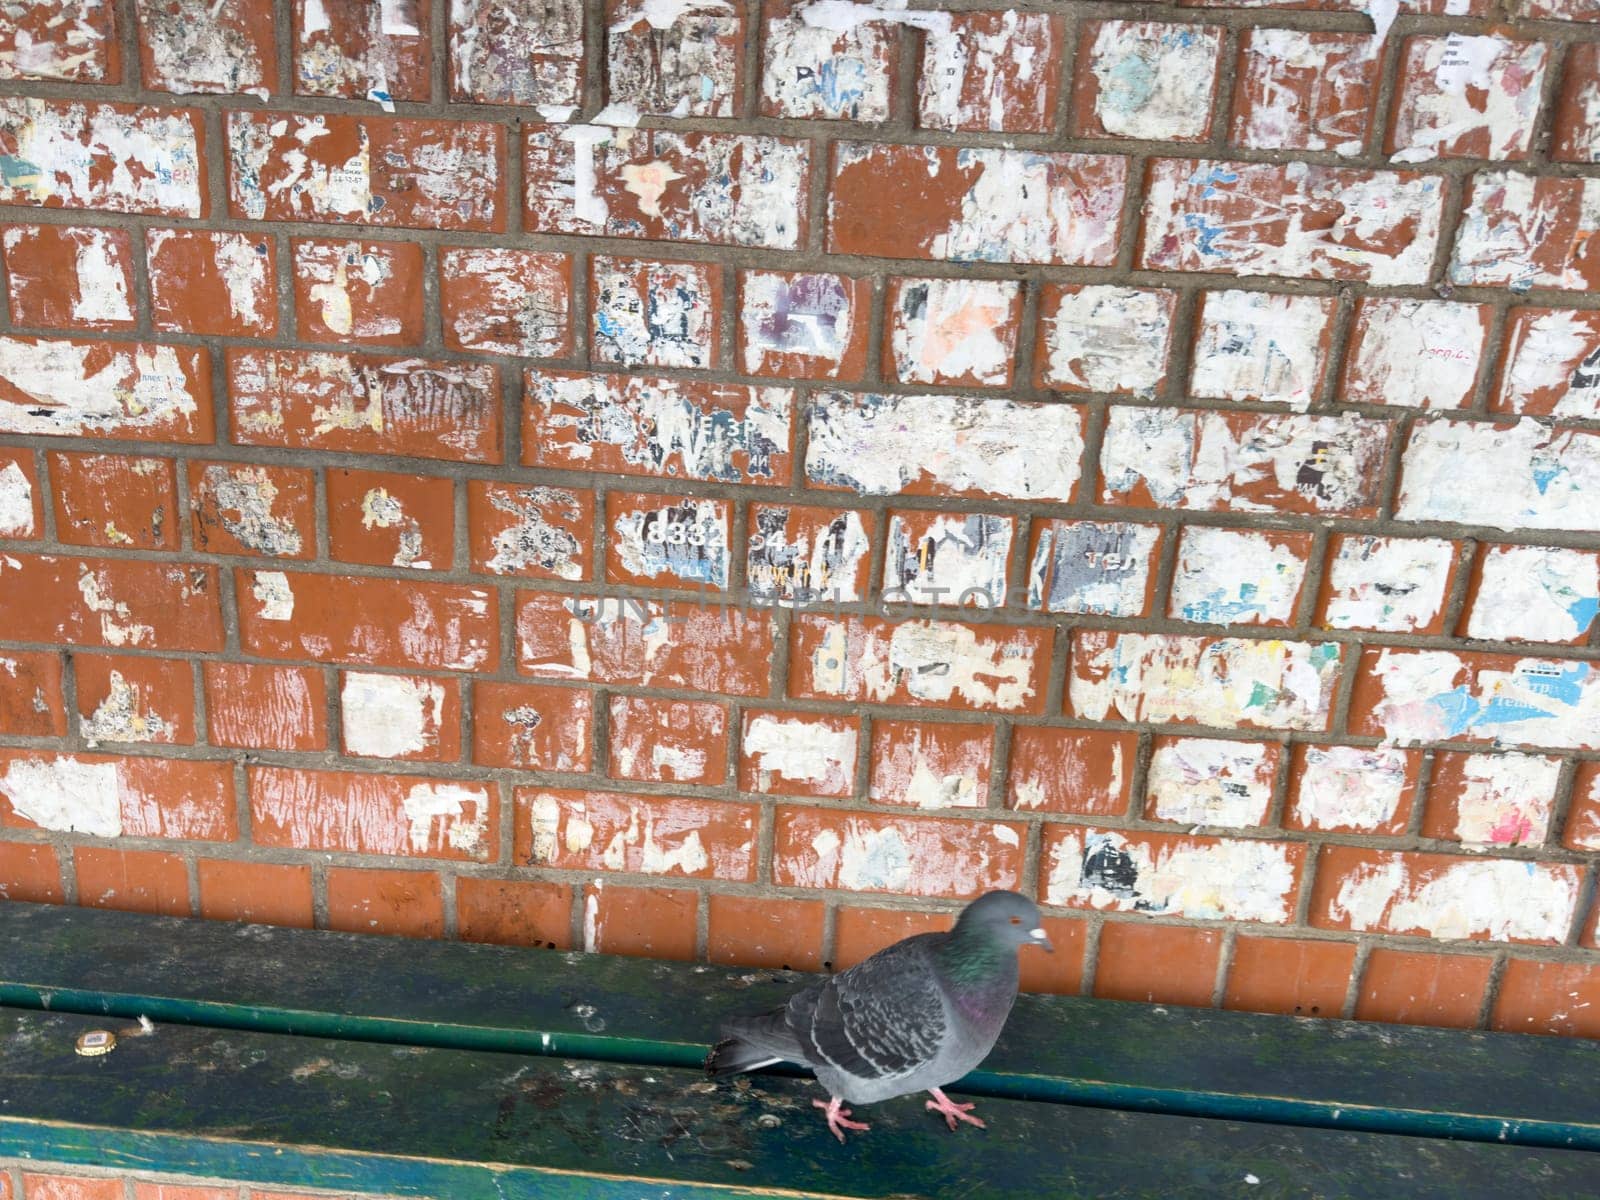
x,y
751,1042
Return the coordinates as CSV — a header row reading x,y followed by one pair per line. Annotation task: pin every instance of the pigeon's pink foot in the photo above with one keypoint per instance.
x,y
837,1114
951,1111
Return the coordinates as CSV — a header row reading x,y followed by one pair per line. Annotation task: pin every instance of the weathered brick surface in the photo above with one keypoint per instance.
x,y
730,481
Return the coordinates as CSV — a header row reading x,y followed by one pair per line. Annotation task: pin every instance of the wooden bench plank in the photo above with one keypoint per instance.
x,y
300,1112
1489,1086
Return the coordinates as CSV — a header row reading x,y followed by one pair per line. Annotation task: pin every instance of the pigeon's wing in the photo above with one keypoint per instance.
x,y
882,1018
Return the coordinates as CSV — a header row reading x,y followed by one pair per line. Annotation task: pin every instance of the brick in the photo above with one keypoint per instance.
x,y
21,507
975,205
1390,585
258,893
306,399
878,444
526,52
142,881
922,764
114,500
627,425
659,314
536,532
1577,115
78,151
29,874
351,49
1474,8
1207,781
1279,219
651,922
1465,97
1352,789
70,1187
1441,896
750,931
170,1191
1205,878
1521,232
1412,696
391,520
816,71
221,284
953,331
192,46
1543,997
1551,364
241,508
665,540
396,903
1487,801
1583,821
112,796
30,694
859,933
1520,476
386,171
805,325
1157,964
916,856
798,754
373,814
649,643
110,602
1289,976
497,300
1102,567
1101,338
1239,576
69,276
1256,346
532,727
367,622
1060,973
413,717
266,708
126,391
74,41
723,188
1146,79
1414,353
1221,682
991,72
941,664
1534,594
1070,770
514,913
1242,462
668,741
1556,10
797,556
652,835
947,558
1403,988
1304,91
681,62
124,699
348,291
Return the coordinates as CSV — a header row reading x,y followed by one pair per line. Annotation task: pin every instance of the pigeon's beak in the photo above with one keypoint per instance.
x,y
1039,938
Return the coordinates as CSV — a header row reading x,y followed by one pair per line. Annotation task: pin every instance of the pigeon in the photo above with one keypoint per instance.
x,y
915,1016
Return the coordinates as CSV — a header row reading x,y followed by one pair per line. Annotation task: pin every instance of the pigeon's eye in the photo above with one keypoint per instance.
x,y
1016,920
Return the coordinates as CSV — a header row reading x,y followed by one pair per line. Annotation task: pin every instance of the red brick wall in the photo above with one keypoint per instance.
x,y
23,1180
1147,456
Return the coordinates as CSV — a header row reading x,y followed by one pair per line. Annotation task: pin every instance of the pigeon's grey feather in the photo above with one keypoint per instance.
x,y
915,1016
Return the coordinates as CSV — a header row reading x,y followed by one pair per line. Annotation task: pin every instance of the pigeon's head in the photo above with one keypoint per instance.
x,y
1008,917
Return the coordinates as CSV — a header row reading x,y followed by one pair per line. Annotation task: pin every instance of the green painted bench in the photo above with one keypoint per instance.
x,y
442,1069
